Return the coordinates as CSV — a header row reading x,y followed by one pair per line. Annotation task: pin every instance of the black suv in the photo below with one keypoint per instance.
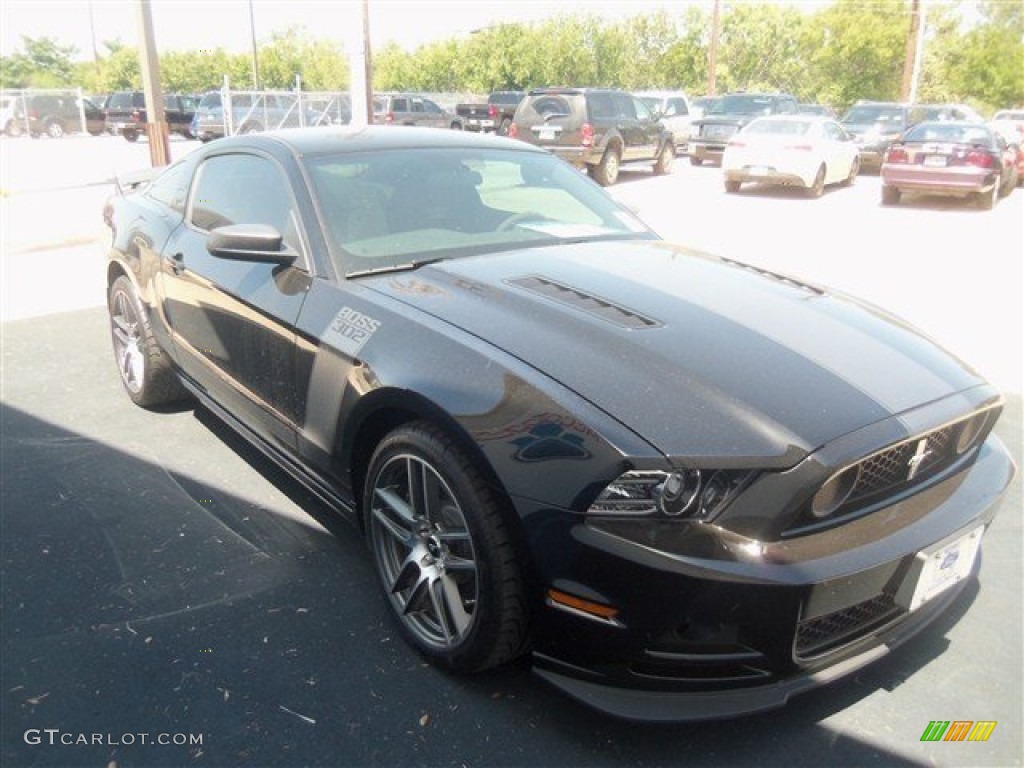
x,y
54,115
126,113
729,113
594,128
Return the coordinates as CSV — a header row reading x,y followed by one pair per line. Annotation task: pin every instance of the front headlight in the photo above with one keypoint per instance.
x,y
691,494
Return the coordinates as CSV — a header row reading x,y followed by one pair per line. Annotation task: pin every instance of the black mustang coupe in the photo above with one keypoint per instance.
x,y
688,486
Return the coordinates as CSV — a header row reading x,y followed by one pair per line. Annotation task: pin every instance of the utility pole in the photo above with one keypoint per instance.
x,y
156,125
907,90
713,50
361,72
255,55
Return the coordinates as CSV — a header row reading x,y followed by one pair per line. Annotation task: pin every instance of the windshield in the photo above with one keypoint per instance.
x,y
767,126
741,104
872,115
393,209
950,133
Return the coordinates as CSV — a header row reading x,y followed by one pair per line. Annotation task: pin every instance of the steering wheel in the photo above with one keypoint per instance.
x,y
517,218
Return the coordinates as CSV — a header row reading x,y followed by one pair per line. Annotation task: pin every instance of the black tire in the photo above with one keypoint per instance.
x,y
732,186
443,551
55,129
854,170
986,201
890,196
145,370
506,123
606,172
130,135
817,188
696,161
456,125
187,135
666,156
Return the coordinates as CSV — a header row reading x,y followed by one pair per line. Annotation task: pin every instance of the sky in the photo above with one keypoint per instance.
x,y
191,25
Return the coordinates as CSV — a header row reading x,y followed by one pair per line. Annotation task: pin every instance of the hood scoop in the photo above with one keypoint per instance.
x,y
586,302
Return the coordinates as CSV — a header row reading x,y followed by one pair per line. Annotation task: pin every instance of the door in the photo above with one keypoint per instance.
x,y
232,322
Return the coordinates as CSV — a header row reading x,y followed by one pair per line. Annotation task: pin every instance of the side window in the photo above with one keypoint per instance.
x,y
624,106
431,107
417,106
399,105
171,187
641,110
601,105
677,107
244,189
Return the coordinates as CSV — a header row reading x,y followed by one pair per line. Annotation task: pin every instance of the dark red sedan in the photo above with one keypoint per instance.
x,y
959,159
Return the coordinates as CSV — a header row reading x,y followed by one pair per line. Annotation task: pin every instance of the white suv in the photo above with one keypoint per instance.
x,y
673,108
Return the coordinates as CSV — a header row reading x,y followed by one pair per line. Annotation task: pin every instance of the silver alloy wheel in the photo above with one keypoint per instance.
x,y
424,551
125,326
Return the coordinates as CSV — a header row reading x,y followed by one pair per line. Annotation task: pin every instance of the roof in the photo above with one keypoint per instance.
x,y
331,140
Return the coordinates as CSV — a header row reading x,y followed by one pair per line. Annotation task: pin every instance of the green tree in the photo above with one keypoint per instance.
x,y
42,63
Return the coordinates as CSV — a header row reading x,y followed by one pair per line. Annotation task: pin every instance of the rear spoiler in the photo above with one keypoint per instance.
x,y
131,181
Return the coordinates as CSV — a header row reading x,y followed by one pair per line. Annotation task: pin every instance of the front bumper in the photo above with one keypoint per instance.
x,y
712,626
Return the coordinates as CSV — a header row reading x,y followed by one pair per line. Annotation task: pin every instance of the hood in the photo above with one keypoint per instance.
x,y
704,358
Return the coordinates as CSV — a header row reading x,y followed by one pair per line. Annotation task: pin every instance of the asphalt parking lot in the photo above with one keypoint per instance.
x,y
162,578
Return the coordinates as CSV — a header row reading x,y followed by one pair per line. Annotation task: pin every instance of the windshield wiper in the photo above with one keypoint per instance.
x,y
408,266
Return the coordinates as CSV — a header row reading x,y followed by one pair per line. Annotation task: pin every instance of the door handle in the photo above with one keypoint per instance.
x,y
177,263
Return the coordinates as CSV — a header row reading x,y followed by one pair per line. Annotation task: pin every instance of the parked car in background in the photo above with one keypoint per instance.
x,y
252,112
495,114
958,159
791,150
874,126
673,109
816,109
1013,117
596,129
727,116
691,488
54,115
126,114
8,103
701,105
412,109
1012,132
934,112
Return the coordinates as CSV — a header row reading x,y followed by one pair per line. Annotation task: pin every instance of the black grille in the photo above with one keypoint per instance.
x,y
825,633
892,467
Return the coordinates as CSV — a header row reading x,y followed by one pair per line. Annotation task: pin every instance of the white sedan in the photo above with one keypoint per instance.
x,y
791,150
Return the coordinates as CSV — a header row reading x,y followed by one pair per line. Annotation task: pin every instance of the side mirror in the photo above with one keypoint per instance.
x,y
250,242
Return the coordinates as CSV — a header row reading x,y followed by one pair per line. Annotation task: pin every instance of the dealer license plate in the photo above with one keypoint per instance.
x,y
935,161
945,566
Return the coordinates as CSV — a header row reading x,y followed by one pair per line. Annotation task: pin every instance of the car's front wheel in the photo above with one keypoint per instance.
x,y
130,134
145,370
54,129
606,172
443,551
732,186
854,170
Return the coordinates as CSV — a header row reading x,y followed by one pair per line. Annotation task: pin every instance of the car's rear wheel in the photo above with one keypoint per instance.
x,y
987,200
817,188
130,134
890,196
663,163
606,172
443,551
456,125
54,129
694,160
145,370
732,186
854,170
503,128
